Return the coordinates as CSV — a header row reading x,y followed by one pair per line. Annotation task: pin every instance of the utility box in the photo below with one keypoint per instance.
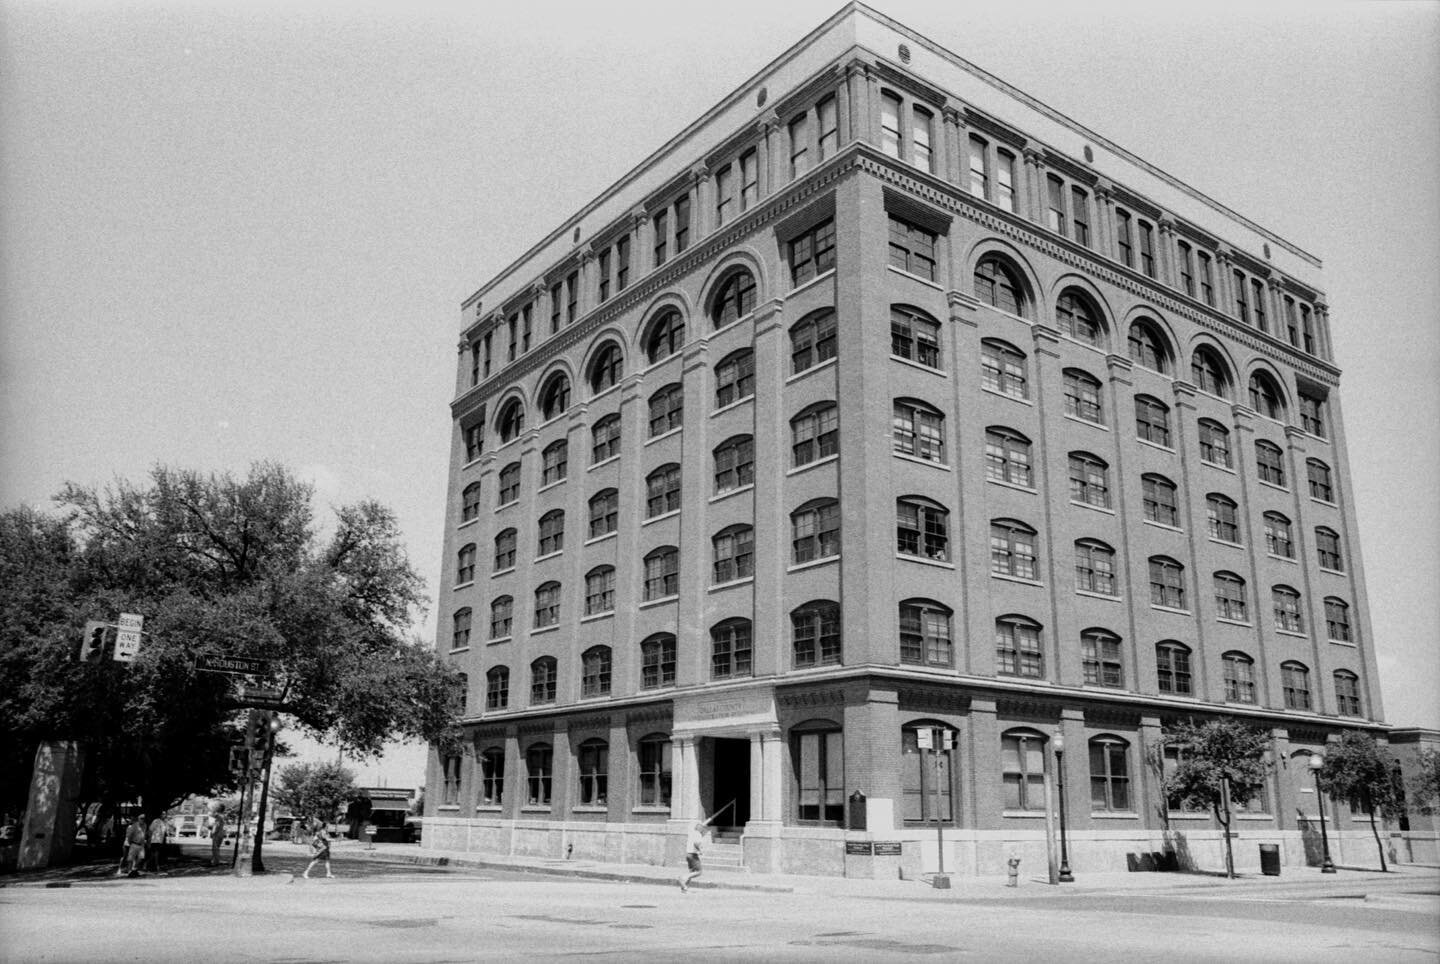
x,y
857,811
1270,859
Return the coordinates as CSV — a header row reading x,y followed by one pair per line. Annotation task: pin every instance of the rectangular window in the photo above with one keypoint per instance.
x,y
1257,290
1292,322
912,249
1122,238
513,326
660,224
1005,179
526,327
829,127
922,124
1080,215
1307,330
1147,249
979,180
799,145
1207,280
603,268
572,297
820,772
622,264
682,224
890,124
1242,307
812,253
749,179
1056,194
724,194
1187,268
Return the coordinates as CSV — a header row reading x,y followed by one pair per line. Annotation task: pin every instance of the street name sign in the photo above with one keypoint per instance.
x,y
234,665
259,696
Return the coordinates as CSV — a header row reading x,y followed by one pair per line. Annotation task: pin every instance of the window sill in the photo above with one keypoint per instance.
x,y
1014,485
661,810
810,465
925,561
943,466
449,808
1253,816
1022,580
1030,814
732,406
1291,633
541,630
1085,421
812,282
499,639
475,461
652,603
1333,642
534,809
590,809
1097,595
748,316
462,585
1218,465
1093,508
1155,445
590,618
1163,525
1333,572
613,533
914,277
1105,815
1227,542
812,563
465,649
468,522
827,363
505,505
548,555
661,517
605,461
1234,622
1014,398
1272,485
911,363
550,485
665,434
1171,609
721,496
1289,559
742,581
1328,502
502,572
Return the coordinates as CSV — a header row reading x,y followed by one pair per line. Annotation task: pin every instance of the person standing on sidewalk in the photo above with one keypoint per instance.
x,y
217,835
134,852
319,850
694,841
159,830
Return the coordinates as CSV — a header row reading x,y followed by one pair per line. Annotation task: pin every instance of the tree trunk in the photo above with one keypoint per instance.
x,y
1376,831
1229,854
257,864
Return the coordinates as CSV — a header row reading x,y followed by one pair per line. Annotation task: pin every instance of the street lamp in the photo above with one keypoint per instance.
x,y
1059,743
1316,762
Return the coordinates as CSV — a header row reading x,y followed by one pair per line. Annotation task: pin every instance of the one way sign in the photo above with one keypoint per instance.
x,y
127,639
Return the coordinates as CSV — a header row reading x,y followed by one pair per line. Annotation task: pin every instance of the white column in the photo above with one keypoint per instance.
x,y
770,768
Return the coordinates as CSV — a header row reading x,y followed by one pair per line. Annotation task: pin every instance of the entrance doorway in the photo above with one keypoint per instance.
x,y
731,781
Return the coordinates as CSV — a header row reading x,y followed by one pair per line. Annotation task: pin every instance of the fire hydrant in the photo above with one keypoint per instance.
x,y
1013,874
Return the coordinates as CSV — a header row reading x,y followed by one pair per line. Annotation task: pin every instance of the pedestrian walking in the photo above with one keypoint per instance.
x,y
159,831
319,850
694,841
217,835
134,848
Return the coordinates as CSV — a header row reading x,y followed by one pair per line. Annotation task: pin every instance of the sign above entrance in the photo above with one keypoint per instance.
x,y
715,713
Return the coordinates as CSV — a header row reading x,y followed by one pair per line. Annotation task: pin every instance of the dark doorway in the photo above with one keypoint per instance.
x,y
732,782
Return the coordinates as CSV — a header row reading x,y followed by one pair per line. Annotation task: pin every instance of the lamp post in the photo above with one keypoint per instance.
x,y
1316,762
1059,742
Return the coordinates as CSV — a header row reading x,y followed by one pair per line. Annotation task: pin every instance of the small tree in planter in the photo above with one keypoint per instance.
x,y
1360,771
1222,762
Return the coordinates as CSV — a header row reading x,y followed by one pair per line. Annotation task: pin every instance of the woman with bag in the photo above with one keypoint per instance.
x,y
319,850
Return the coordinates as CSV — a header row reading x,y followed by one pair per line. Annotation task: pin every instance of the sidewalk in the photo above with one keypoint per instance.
x,y
1305,880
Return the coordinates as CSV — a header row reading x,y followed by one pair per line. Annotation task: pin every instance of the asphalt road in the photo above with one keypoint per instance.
x,y
395,912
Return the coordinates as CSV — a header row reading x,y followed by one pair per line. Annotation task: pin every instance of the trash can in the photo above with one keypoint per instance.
x,y
1270,859
857,811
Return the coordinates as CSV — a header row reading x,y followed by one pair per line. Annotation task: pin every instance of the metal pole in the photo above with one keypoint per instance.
x,y
939,832
1065,876
1054,874
1326,866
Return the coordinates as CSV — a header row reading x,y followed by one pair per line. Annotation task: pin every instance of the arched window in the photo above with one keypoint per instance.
x,y
1089,480
734,300
470,502
919,430
815,530
734,553
818,750
1239,675
1012,549
1347,693
1109,774
512,420
1327,546
1100,658
492,776
1287,609
812,340
735,378
662,573
1003,368
914,336
555,462
730,649
1214,443
600,590
1007,456
666,336
1094,567
928,797
922,528
1082,396
1161,505
595,671
547,605
505,550
543,680
653,755
657,661
1265,396
605,439
465,564
604,512
1321,486
998,285
1208,372
1172,668
1279,538
605,368
814,433
1152,420
497,688
1270,463
1017,647
925,633
552,532
662,491
1167,582
502,610
594,781
1231,600
539,768
815,633
1223,516
1147,346
509,490
667,409
1337,620
734,464
1022,764
1077,317
555,399
460,628
1295,683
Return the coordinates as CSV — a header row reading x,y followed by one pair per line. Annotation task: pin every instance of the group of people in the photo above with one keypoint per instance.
x,y
143,846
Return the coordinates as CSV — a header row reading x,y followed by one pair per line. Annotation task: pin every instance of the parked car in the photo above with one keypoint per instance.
x,y
189,825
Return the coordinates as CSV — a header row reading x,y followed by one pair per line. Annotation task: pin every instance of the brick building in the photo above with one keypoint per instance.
x,y
885,406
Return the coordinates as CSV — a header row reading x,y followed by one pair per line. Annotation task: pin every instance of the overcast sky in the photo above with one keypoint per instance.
x,y
242,231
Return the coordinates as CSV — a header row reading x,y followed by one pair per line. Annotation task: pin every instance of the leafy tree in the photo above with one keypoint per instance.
x,y
1423,788
1359,770
314,791
221,565
1214,756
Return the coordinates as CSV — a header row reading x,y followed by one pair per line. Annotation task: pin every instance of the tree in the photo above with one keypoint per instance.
x,y
314,792
1423,788
1221,762
1360,771
218,565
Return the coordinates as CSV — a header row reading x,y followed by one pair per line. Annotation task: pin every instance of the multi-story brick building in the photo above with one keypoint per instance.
x,y
885,406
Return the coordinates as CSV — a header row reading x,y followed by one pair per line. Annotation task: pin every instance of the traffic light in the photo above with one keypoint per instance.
x,y
92,644
260,729
239,760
